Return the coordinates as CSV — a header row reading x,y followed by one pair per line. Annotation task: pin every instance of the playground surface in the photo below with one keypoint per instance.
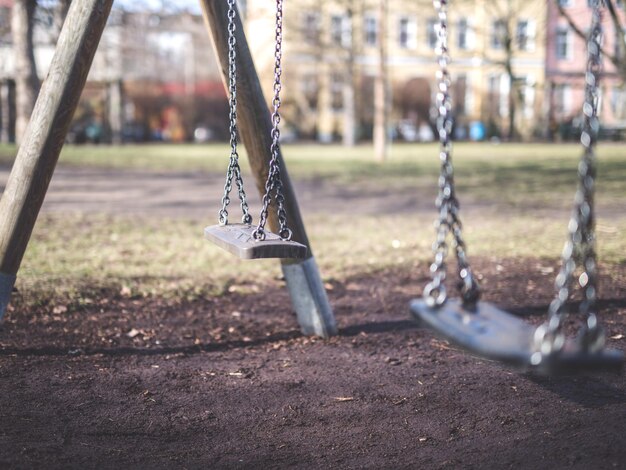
x,y
229,382
132,373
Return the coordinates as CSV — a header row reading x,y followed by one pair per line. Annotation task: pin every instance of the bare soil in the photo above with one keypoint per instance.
x,y
229,382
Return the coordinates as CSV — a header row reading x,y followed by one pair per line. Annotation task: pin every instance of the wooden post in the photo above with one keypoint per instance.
x,y
303,279
45,134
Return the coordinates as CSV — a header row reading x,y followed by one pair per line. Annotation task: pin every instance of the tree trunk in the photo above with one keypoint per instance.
x,y
380,89
508,66
26,80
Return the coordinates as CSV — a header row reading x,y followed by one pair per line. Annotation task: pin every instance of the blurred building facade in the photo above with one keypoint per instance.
x,y
154,77
515,64
332,47
566,62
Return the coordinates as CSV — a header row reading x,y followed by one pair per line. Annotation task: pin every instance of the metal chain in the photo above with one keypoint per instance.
x,y
274,182
449,220
581,234
234,170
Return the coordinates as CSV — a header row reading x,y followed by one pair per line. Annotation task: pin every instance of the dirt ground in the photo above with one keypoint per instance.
x,y
229,382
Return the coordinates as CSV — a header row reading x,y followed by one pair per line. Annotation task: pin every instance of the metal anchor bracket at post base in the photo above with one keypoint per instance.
x,y
309,298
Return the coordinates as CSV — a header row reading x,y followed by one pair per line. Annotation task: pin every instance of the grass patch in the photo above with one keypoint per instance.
x,y
73,257
510,173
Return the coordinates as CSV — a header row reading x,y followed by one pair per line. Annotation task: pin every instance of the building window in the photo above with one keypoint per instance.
x,y
460,95
407,37
431,32
341,30
498,88
493,94
527,96
618,103
525,35
563,43
310,90
370,31
562,101
311,27
498,33
462,34
336,91
465,35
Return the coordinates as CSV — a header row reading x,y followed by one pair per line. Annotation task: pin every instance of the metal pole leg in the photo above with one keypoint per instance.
x,y
303,279
45,134
7,282
309,299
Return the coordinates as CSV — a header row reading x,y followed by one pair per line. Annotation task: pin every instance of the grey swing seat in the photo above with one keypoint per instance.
x,y
492,333
238,239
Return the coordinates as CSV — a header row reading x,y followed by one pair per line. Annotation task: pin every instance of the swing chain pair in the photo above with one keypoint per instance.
x,y
448,206
580,247
234,170
274,182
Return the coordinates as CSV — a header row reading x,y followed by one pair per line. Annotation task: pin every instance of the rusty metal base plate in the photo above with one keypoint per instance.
x,y
497,335
237,239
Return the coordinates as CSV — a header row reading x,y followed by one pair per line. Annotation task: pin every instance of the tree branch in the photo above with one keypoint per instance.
x,y
619,28
580,33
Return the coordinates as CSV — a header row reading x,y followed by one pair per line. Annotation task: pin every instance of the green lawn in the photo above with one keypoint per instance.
x,y
75,256
484,169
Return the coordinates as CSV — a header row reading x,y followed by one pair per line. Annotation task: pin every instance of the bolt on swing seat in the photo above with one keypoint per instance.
x,y
246,240
480,327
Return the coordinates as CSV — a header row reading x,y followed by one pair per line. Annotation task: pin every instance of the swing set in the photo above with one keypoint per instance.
x,y
479,327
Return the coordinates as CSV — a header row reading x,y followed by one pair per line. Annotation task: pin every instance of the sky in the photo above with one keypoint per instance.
x,y
193,5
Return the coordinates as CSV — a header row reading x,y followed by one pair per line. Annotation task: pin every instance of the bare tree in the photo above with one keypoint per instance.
x,y
512,40
60,12
330,42
617,56
26,79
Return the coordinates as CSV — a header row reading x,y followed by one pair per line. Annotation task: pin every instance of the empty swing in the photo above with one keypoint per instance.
x,y
482,328
246,240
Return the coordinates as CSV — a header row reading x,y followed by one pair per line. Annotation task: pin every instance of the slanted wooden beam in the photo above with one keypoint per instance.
x,y
44,137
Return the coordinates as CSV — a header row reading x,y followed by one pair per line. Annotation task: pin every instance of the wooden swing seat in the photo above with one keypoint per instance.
x,y
238,240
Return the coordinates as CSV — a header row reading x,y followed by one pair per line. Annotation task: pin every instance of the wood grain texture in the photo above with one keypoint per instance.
x,y
253,114
45,134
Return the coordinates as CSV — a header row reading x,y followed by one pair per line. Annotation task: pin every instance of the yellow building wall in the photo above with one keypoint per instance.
x,y
312,64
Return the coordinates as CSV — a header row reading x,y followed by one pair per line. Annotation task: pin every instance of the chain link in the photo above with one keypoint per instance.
x,y
274,182
234,170
580,247
448,206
